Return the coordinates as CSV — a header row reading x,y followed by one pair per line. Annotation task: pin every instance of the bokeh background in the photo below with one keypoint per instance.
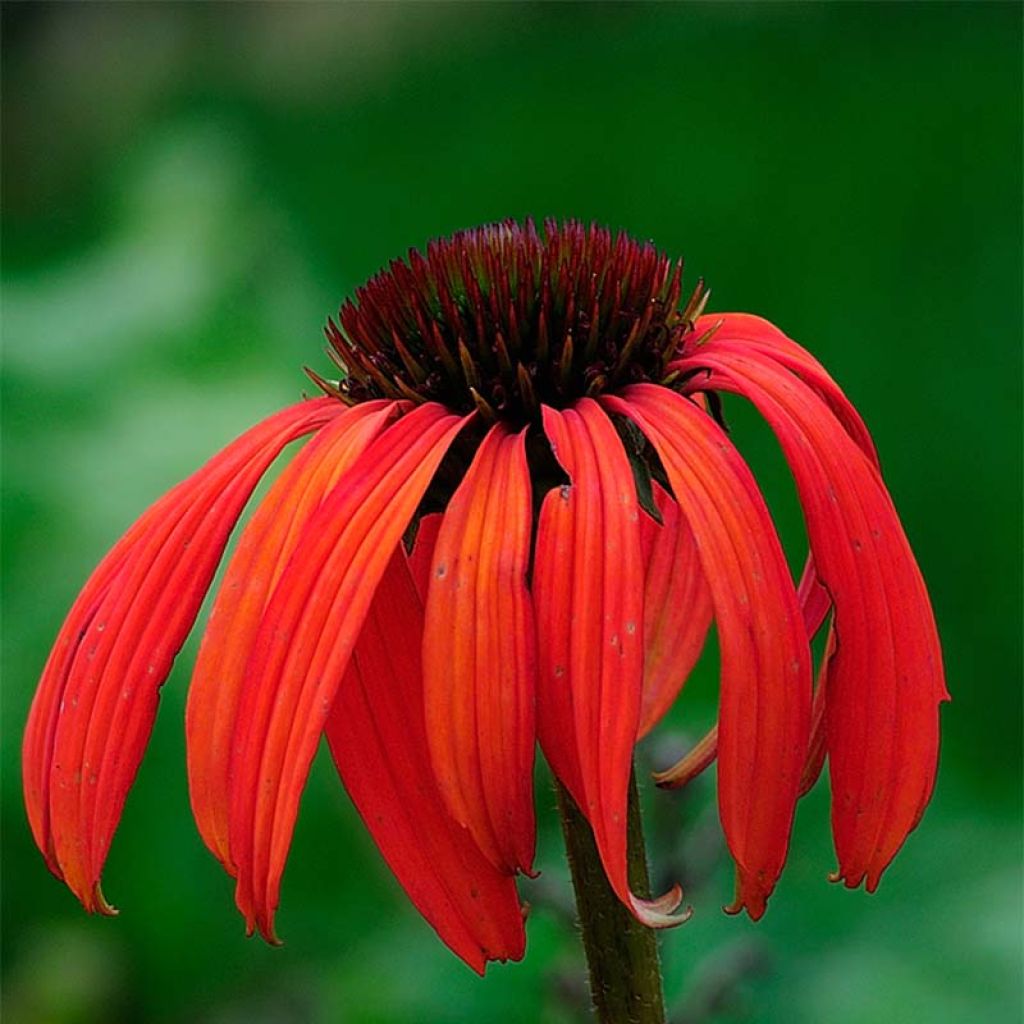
x,y
188,192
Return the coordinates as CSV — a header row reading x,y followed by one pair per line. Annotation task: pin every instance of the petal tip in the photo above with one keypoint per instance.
x,y
751,896
265,926
96,903
662,911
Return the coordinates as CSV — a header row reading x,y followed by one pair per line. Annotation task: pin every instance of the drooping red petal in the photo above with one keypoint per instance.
x,y
814,604
479,654
885,680
739,333
766,673
41,729
588,590
94,709
304,642
677,610
736,332
265,546
378,740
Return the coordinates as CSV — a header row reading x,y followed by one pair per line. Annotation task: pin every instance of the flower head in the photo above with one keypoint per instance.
x,y
516,517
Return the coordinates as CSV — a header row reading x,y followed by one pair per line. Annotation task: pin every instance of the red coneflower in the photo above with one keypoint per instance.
x,y
515,520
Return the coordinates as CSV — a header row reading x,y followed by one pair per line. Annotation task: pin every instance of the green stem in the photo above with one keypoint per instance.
x,y
622,954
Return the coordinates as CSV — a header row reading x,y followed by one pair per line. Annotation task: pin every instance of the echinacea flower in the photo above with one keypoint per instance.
x,y
516,516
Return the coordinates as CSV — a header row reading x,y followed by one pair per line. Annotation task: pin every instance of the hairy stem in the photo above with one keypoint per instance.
x,y
622,954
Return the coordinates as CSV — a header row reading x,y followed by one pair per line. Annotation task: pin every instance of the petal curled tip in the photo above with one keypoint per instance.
x,y
662,911
868,879
97,903
839,877
255,923
690,765
751,896
755,909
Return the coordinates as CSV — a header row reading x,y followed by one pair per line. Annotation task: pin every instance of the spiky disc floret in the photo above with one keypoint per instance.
x,y
506,317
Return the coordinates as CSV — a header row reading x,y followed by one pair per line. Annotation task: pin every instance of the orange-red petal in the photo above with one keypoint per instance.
x,y
588,590
738,331
766,672
677,610
305,640
814,604
885,680
377,735
266,544
479,654
94,710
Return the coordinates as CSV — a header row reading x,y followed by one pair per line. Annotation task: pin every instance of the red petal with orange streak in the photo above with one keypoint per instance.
x,y
379,743
677,611
479,654
265,546
766,672
885,680
305,640
588,591
94,709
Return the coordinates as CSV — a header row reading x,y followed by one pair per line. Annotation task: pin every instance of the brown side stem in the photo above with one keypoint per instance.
x,y
622,954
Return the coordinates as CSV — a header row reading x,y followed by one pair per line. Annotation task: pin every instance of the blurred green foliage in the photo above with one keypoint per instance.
x,y
189,190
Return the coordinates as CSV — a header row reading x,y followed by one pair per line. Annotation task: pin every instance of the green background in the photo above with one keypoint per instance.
x,y
190,190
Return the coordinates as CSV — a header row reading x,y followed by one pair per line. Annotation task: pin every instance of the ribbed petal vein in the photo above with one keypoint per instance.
x,y
885,680
766,673
479,653
265,546
588,589
94,710
378,740
305,640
